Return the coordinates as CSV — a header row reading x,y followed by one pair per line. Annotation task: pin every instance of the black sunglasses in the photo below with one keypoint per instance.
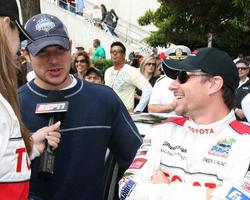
x,y
183,76
81,61
242,68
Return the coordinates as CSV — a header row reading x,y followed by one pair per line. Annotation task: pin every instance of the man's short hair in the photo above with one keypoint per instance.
x,y
117,43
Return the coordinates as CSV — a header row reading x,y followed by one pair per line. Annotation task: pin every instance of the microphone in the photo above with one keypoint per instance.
x,y
55,108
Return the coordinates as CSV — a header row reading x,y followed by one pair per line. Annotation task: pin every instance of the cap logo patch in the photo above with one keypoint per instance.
x,y
44,24
178,54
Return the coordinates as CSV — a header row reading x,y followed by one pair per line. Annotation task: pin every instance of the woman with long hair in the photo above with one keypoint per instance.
x,y
148,68
17,146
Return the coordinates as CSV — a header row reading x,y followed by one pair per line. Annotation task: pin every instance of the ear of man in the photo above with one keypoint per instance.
x,y
216,83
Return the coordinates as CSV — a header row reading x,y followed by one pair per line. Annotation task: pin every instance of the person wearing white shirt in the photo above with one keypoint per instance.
x,y
162,99
124,78
245,104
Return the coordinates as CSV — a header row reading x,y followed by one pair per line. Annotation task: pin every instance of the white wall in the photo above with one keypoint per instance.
x,y
129,10
82,32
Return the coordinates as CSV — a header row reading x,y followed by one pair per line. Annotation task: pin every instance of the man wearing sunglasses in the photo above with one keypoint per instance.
x,y
204,155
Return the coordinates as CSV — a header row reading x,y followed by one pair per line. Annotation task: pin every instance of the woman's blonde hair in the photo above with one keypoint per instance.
x,y
146,60
8,81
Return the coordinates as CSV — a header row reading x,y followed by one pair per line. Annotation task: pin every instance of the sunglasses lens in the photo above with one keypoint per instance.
x,y
182,77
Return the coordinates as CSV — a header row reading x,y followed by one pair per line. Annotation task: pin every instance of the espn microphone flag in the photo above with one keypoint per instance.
x,y
55,107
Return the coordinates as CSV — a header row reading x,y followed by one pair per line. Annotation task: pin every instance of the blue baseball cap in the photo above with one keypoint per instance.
x,y
46,30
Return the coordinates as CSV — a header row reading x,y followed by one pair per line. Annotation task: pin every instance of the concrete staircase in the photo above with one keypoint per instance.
x,y
83,31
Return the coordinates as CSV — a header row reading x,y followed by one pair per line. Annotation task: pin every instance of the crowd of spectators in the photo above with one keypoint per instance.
x,y
149,67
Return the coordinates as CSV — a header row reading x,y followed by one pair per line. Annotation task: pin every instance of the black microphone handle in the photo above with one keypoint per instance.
x,y
46,166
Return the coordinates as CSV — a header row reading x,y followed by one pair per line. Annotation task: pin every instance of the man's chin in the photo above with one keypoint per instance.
x,y
180,112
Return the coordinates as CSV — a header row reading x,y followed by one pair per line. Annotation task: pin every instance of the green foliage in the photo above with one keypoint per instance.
x,y
189,22
102,64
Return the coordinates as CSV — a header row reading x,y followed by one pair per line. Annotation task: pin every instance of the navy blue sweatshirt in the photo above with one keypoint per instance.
x,y
96,120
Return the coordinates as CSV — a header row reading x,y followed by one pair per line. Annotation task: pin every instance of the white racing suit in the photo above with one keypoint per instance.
x,y
194,158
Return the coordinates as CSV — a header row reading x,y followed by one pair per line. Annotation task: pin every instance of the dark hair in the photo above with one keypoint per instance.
x,y
97,41
228,96
242,61
117,43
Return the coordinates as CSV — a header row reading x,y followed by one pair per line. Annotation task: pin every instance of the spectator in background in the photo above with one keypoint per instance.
x,y
81,63
243,89
115,18
104,12
111,20
79,7
245,105
96,14
149,71
71,6
63,4
94,75
79,48
155,52
99,50
162,99
124,78
135,59
239,57
95,121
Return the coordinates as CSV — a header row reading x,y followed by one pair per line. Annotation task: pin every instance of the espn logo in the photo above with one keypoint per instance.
x,y
52,107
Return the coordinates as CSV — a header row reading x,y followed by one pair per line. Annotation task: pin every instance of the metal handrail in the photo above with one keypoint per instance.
x,y
127,34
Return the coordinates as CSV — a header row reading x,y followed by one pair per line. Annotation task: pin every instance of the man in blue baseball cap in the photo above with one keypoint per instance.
x,y
95,121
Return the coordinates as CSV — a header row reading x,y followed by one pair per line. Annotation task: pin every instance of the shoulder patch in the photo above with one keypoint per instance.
x,y
177,120
240,127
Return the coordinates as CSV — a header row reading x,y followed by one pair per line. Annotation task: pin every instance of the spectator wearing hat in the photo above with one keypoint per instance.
x,y
17,146
79,48
162,99
243,89
95,121
94,75
203,155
